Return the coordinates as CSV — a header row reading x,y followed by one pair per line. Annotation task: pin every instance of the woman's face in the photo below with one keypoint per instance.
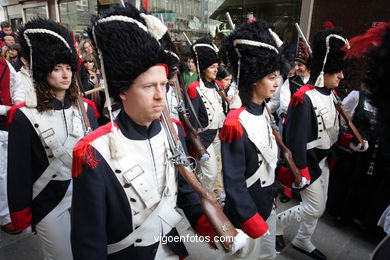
x,y
226,81
60,77
265,87
88,47
89,64
210,73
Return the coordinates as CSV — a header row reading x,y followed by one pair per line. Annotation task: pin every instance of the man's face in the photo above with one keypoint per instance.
x,y
191,65
333,80
301,69
9,41
144,101
7,30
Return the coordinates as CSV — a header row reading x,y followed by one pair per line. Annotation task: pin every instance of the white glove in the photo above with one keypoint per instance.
x,y
4,109
303,183
359,147
239,241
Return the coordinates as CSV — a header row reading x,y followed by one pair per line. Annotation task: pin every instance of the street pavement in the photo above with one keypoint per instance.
x,y
337,241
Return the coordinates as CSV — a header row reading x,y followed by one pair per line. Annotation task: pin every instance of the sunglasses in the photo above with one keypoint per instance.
x,y
89,61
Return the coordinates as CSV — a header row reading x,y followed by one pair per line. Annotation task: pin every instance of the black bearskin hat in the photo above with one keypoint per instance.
x,y
204,56
378,73
256,62
128,46
334,60
46,38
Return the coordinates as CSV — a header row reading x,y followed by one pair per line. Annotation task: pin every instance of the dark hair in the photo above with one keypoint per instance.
x,y
44,97
5,24
223,72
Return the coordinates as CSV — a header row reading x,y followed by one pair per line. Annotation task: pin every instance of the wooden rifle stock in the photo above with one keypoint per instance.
x,y
355,133
88,92
220,224
83,111
285,152
221,92
193,135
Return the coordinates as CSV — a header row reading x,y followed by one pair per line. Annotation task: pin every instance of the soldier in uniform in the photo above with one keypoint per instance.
x,y
302,76
42,134
208,105
249,149
313,117
126,188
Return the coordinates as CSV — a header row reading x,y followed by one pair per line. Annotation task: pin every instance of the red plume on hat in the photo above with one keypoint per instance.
x,y
362,44
328,25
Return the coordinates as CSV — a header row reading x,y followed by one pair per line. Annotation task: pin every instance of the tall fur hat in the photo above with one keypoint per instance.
x,y
204,56
129,46
48,43
327,58
254,46
378,72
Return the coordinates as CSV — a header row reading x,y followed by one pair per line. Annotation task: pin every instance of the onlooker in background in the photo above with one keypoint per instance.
x,y
6,29
85,47
8,41
191,75
14,56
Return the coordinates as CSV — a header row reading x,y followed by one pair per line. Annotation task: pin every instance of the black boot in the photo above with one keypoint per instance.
x,y
279,243
315,254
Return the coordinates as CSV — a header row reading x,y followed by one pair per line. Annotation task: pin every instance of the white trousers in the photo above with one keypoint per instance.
x,y
54,231
310,209
4,211
209,168
261,248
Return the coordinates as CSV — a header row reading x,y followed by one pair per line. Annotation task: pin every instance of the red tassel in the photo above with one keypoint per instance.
x,y
232,128
82,152
298,96
192,93
11,112
93,105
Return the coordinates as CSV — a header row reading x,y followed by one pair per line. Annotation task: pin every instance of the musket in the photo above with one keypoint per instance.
x,y
304,39
230,21
357,138
211,208
221,93
285,152
91,91
193,135
80,103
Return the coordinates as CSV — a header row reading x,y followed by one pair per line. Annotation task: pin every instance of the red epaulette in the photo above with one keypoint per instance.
x,y
82,152
220,83
192,93
232,128
93,105
298,96
180,123
11,112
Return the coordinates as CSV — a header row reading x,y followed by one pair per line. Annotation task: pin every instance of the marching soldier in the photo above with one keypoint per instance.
x,y
42,135
312,117
208,105
249,149
126,187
